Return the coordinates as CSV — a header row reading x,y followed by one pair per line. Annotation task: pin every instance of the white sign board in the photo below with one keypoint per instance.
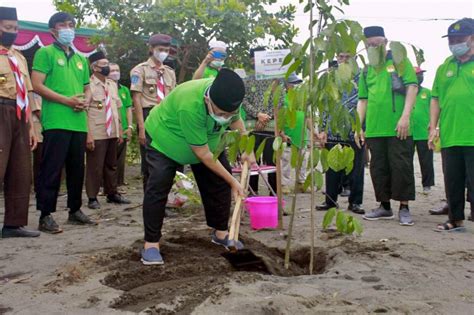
x,y
268,64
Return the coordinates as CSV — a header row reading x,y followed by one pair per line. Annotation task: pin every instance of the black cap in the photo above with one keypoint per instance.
x,y
227,91
96,56
253,50
160,40
374,31
7,13
463,27
59,17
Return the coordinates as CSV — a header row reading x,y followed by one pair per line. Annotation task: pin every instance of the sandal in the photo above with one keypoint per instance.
x,y
449,226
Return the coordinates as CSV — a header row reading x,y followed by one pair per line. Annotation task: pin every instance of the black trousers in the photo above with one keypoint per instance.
x,y
355,179
215,193
121,159
61,148
425,157
458,165
391,168
267,159
37,155
143,151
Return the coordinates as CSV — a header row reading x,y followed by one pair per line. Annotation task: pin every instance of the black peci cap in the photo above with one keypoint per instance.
x,y
60,17
7,13
463,27
253,50
374,31
227,91
96,56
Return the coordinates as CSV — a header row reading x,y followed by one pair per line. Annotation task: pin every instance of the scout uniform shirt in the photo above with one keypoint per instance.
x,y
96,112
182,120
126,100
7,78
420,116
144,79
454,88
384,107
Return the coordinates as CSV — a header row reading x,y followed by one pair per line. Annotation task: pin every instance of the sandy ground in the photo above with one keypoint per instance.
x,y
96,270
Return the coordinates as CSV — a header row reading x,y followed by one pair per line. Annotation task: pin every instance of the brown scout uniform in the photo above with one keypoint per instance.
x,y
15,154
101,164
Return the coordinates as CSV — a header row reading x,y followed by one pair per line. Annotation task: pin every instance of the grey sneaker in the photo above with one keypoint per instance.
x,y
379,214
405,217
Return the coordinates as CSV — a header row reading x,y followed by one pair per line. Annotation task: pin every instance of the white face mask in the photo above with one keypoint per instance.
x,y
161,56
217,64
66,36
218,119
459,50
115,76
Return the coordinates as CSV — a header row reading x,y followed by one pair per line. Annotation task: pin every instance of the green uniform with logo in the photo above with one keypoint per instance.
x,y
66,76
295,132
391,164
125,97
420,120
453,87
182,121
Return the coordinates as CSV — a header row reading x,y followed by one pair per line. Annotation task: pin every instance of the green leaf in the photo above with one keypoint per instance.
x,y
336,158
316,154
250,144
307,181
399,52
349,155
233,150
266,95
243,143
293,68
419,55
357,226
318,179
344,72
260,149
328,217
350,225
341,221
277,143
287,59
324,159
277,95
295,154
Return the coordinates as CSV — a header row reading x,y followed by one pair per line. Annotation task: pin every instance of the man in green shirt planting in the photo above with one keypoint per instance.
x,y
386,112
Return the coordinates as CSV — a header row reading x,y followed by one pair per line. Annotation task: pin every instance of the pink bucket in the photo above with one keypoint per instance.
x,y
263,212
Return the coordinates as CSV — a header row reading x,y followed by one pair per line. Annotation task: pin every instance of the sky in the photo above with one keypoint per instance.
x,y
418,22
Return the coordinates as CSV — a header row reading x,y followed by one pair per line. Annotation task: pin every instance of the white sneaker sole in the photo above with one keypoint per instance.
x,y
220,244
407,224
379,218
151,263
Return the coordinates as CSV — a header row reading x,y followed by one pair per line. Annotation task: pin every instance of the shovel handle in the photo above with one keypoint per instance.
x,y
234,228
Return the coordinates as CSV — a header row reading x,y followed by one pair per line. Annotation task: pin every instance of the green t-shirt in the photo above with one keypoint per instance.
x,y
210,73
295,133
454,88
182,121
420,116
124,94
65,75
384,107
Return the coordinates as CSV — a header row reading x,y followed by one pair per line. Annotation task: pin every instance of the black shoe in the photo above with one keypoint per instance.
x,y
19,232
324,207
93,204
118,199
356,208
170,214
48,225
79,217
345,192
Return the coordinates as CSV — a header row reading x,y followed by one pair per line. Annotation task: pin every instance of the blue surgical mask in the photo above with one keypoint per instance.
x,y
460,49
66,36
217,64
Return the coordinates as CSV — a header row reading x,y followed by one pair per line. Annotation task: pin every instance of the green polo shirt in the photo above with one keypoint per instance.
x,y
209,73
454,88
182,121
384,107
420,116
65,75
124,94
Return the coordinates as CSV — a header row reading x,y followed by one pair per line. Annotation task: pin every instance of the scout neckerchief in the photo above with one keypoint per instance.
x,y
108,112
160,85
21,92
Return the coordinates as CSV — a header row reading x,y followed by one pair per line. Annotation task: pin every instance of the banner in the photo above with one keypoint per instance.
x,y
268,64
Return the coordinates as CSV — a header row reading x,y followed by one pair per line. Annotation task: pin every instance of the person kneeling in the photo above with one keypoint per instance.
x,y
186,129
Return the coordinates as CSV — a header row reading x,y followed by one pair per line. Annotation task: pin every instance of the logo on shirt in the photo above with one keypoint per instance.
x,y
61,62
449,73
123,95
390,68
79,65
134,79
424,95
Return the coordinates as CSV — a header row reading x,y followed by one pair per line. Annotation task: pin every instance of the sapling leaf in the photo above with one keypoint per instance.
x,y
295,153
324,159
277,143
336,158
341,221
328,217
250,144
287,59
318,179
243,143
260,149
357,226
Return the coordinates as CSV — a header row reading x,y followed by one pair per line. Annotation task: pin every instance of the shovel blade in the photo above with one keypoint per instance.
x,y
245,260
